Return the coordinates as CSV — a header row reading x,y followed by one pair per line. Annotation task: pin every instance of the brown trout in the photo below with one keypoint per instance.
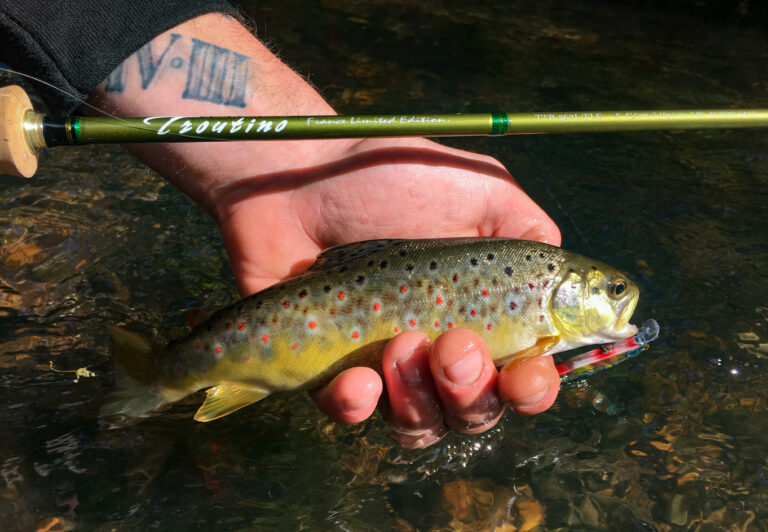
x,y
524,298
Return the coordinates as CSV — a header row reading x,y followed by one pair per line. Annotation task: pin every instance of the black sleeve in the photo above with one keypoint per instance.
x,y
76,44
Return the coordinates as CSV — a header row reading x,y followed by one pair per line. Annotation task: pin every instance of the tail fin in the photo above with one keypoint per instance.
x,y
137,394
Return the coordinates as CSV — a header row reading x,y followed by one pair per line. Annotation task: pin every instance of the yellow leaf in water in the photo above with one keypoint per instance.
x,y
693,475
661,446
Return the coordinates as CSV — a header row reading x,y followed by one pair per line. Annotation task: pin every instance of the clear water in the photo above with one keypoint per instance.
x,y
674,440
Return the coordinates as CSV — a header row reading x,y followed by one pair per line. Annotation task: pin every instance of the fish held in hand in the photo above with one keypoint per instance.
x,y
524,298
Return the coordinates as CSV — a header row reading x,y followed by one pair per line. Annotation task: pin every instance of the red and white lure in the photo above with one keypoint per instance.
x,y
608,355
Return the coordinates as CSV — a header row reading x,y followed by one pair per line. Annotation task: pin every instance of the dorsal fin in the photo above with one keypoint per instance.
x,y
336,255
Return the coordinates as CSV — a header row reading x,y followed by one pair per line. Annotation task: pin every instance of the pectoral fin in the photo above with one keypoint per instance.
x,y
542,346
226,398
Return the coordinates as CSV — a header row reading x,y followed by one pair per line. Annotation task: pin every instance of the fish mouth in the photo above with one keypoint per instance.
x,y
622,327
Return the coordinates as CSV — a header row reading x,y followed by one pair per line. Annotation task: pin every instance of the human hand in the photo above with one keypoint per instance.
x,y
450,384
394,188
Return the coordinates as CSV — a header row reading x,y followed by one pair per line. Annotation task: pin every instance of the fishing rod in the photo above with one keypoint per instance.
x,y
23,132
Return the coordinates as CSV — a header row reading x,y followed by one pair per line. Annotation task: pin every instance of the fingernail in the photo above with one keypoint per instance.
x,y
531,400
535,233
466,370
413,368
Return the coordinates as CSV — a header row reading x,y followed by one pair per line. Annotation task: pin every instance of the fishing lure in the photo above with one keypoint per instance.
x,y
606,356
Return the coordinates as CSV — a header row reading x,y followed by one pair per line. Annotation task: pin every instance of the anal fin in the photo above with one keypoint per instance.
x,y
224,399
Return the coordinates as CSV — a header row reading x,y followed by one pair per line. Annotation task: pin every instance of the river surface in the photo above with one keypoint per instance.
x,y
672,440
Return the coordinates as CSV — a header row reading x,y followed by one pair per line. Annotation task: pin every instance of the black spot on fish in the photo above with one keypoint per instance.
x,y
209,327
541,255
332,312
430,289
455,277
509,271
473,261
494,281
527,257
327,288
462,310
403,253
571,270
594,267
303,293
360,279
490,257
371,263
595,290
476,281
432,265
344,269
551,267
409,267
419,283
512,305
383,264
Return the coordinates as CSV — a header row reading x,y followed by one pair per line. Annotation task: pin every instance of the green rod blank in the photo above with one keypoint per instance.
x,y
106,130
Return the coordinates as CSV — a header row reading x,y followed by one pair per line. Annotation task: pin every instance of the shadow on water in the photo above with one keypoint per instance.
x,y
671,441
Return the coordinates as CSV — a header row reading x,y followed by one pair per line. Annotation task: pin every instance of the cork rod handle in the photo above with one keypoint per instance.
x,y
16,155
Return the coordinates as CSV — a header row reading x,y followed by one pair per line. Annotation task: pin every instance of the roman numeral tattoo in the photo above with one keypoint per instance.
x,y
214,74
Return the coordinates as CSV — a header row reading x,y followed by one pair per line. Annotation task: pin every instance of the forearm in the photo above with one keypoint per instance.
x,y
212,65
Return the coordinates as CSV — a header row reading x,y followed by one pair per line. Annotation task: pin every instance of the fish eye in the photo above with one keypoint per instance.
x,y
618,287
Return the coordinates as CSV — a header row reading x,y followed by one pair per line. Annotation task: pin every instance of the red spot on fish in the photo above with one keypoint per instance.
x,y
403,289
376,306
438,300
485,292
412,322
341,296
178,369
287,304
198,346
218,350
512,306
294,346
541,317
312,324
437,324
246,358
228,326
241,326
473,312
396,329
264,338
205,370
355,334
531,285
489,326
450,325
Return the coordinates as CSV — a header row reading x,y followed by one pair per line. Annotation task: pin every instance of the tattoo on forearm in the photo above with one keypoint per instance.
x,y
148,67
214,74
